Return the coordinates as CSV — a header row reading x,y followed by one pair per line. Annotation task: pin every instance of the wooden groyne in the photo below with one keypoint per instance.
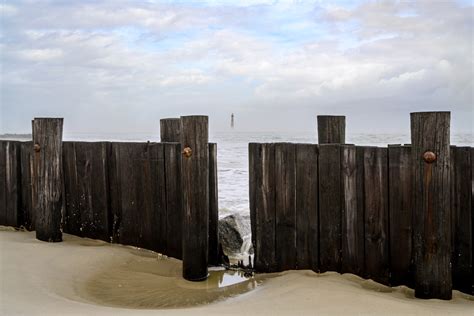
x,y
400,214
123,192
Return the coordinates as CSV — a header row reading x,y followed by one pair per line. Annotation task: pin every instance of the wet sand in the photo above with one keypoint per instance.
x,y
83,276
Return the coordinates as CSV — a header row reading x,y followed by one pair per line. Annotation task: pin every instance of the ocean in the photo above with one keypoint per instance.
x,y
232,155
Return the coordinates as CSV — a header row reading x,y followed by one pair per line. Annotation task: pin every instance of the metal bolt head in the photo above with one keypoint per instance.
x,y
187,152
37,147
429,157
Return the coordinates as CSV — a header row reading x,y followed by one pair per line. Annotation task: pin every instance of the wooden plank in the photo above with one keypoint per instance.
x,y
26,206
461,219
377,262
307,216
401,214
265,231
431,226
195,185
13,183
472,218
128,168
92,189
3,181
114,182
330,209
255,180
174,212
213,206
353,215
158,211
285,219
331,129
72,218
360,197
47,137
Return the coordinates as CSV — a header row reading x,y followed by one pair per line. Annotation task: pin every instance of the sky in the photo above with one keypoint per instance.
x,y
110,66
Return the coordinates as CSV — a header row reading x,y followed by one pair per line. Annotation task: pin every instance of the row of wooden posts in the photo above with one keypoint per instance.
x,y
398,215
159,196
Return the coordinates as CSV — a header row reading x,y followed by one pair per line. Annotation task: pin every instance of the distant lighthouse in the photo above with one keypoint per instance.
x,y
232,120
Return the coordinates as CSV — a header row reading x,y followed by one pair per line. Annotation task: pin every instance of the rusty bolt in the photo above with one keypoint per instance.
x,y
187,152
37,147
429,157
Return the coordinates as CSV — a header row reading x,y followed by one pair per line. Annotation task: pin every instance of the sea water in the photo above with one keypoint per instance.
x,y
232,159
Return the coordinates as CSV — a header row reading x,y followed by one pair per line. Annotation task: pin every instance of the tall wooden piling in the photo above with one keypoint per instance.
x,y
170,130
331,129
47,144
432,225
195,187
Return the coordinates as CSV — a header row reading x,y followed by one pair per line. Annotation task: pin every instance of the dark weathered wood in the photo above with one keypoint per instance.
x,y
157,174
142,195
307,216
114,180
377,262
263,207
461,218
352,215
472,218
3,184
360,196
13,182
47,134
213,206
285,183
92,189
195,187
255,179
170,130
331,129
72,215
330,210
174,218
26,203
401,214
431,226
10,182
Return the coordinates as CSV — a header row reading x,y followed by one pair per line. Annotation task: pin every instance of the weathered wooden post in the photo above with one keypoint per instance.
x,y
195,187
47,175
170,130
331,129
432,223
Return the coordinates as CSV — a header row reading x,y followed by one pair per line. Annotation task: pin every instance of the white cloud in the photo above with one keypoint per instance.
x,y
129,58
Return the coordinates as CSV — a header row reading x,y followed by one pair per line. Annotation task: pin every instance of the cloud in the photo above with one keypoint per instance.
x,y
102,64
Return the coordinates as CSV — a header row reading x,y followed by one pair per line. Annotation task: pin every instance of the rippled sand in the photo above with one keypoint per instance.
x,y
88,277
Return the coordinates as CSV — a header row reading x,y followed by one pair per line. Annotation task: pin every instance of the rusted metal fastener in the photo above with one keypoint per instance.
x,y
37,147
429,157
187,152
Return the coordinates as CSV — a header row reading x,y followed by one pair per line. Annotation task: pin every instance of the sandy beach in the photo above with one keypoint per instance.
x,y
83,276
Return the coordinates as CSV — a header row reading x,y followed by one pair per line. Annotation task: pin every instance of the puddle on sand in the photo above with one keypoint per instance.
x,y
154,283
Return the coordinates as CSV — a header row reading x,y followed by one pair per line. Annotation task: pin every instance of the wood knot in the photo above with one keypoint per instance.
x,y
429,157
36,147
187,152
